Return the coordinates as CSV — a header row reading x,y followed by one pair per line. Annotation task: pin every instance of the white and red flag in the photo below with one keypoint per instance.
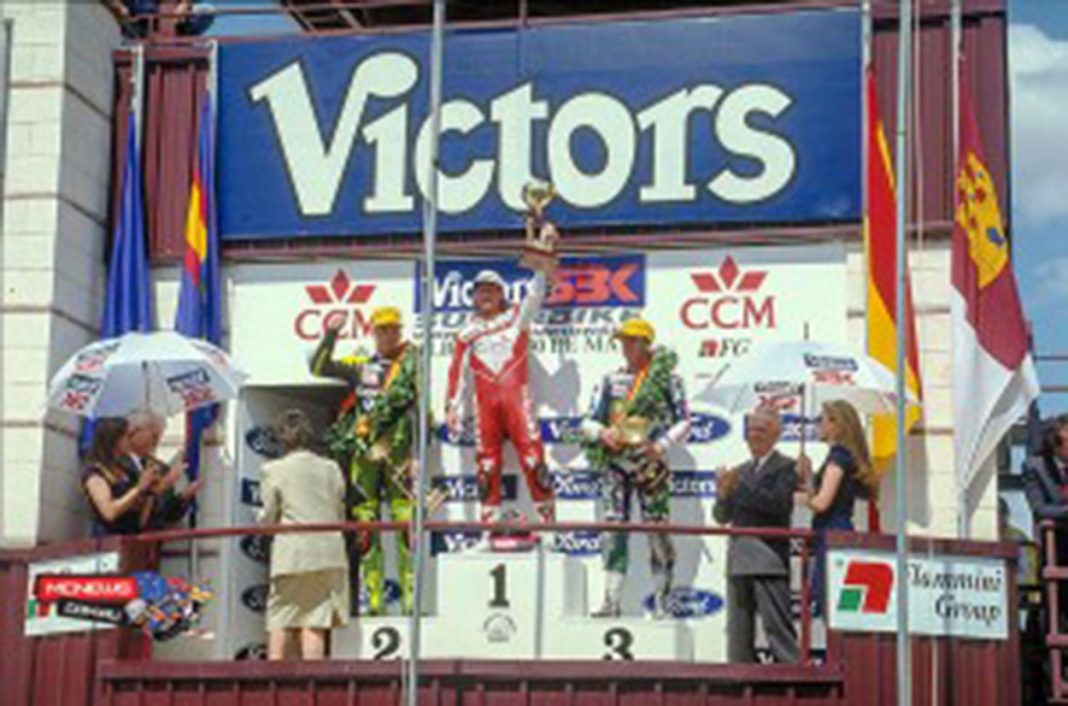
x,y
994,377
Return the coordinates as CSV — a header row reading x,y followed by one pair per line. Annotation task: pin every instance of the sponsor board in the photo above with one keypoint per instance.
x,y
250,493
42,616
949,595
336,131
255,597
161,607
578,543
687,602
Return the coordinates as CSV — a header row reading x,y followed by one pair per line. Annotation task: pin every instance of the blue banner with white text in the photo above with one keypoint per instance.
x,y
752,119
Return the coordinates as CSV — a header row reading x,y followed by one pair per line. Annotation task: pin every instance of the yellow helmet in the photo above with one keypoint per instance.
x,y
636,328
386,316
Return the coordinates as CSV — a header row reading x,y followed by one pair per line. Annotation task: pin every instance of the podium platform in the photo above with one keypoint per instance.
x,y
515,605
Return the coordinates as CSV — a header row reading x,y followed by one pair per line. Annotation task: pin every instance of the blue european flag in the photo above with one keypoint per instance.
x,y
128,300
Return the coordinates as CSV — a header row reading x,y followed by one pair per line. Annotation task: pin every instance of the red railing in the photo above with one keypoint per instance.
x,y
804,537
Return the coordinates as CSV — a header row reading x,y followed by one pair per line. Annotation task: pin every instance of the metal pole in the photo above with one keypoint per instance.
x,y
955,78
430,229
904,86
137,95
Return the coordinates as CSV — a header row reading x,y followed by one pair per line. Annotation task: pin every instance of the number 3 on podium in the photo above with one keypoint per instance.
x,y
619,642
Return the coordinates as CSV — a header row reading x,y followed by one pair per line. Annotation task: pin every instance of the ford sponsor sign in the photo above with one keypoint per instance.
x,y
391,593
255,598
338,136
256,547
250,492
688,602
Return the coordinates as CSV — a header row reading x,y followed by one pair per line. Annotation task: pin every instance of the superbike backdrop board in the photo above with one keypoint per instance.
x,y
710,305
742,118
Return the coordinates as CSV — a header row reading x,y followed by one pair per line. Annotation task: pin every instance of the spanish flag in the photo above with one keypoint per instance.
x,y
880,245
994,377
200,294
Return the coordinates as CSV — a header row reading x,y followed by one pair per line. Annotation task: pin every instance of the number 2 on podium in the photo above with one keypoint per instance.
x,y
500,587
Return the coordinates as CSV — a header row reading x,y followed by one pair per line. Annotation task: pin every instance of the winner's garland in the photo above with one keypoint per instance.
x,y
389,417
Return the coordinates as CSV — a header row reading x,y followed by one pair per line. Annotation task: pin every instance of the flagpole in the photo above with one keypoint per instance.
x,y
956,35
430,229
904,87
136,97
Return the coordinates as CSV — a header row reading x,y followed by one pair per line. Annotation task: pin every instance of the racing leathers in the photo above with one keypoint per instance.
x,y
490,355
377,439
630,472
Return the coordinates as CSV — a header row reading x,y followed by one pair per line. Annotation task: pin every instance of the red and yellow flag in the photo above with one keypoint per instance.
x,y
880,246
994,378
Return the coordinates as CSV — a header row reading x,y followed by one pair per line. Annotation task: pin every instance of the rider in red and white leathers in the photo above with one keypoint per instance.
x,y
492,349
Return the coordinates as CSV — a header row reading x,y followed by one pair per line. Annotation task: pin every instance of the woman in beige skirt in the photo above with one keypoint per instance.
x,y
309,591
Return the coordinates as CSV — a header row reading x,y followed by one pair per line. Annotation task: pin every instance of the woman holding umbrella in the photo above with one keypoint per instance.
x,y
121,502
845,475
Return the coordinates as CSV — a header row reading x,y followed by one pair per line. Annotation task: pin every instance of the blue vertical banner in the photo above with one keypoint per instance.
x,y
748,118
128,299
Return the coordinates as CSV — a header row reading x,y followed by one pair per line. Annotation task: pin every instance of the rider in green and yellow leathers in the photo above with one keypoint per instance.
x,y
375,435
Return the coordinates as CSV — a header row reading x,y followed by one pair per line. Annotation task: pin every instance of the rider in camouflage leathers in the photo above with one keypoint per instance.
x,y
639,412
375,434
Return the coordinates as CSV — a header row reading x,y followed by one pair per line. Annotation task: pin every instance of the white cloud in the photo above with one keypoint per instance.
x,y
1051,276
1038,66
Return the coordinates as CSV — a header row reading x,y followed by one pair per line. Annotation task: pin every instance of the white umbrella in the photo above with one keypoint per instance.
x,y
164,372
812,371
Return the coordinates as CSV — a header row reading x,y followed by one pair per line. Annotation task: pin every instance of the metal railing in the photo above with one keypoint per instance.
x,y
802,539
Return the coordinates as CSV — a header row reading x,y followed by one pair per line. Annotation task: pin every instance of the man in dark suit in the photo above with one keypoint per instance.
x,y
171,506
759,493
1045,478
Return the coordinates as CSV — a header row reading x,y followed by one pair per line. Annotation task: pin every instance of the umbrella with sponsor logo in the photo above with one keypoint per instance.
x,y
163,372
789,374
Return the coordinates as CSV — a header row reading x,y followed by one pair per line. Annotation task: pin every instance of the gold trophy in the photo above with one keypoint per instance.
x,y
401,476
539,250
633,433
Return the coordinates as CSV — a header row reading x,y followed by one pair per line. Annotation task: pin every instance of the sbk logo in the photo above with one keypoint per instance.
x,y
728,299
595,284
866,588
338,299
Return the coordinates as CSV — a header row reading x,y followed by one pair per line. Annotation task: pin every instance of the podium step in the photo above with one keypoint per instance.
x,y
618,639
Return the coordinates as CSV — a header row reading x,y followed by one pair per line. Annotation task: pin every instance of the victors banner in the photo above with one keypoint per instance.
x,y
752,118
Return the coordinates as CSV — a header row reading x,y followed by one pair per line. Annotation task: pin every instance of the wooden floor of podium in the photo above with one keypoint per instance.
x,y
467,683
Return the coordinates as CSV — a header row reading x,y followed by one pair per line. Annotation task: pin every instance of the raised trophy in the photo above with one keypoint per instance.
x,y
539,250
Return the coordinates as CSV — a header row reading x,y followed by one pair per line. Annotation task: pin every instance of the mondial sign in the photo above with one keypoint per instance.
x,y
745,118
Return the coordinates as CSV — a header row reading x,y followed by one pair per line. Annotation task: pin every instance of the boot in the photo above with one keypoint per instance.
x,y
661,596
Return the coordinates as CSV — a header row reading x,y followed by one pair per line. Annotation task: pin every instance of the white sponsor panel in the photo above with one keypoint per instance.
x,y
709,305
42,618
948,595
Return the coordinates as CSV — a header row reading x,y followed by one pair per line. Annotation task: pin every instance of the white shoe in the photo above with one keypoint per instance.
x,y
660,607
609,609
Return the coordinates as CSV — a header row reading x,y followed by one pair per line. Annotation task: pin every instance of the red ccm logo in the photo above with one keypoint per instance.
x,y
729,299
340,298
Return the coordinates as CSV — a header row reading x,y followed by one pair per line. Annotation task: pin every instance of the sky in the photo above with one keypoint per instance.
x,y
1038,71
